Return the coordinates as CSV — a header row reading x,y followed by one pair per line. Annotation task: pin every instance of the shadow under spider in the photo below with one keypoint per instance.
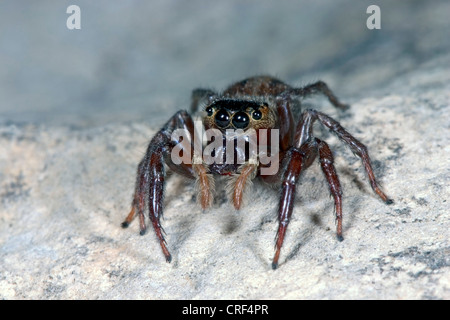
x,y
352,177
316,218
232,220
232,223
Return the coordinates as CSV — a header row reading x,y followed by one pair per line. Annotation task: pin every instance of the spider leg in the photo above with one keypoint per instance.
x,y
151,176
130,216
326,162
200,96
138,203
319,87
301,155
297,159
286,120
244,178
356,146
205,185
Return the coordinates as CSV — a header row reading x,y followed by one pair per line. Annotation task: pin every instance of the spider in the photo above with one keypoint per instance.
x,y
260,102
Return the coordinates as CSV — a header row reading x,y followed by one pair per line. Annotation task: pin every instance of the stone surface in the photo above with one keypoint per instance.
x,y
78,109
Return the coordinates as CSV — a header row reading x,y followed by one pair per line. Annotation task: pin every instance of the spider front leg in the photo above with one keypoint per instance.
x,y
151,175
300,159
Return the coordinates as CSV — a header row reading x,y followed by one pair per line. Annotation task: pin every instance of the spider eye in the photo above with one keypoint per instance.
x,y
240,120
222,118
209,111
257,115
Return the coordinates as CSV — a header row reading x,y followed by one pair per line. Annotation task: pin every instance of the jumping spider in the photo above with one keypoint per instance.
x,y
260,102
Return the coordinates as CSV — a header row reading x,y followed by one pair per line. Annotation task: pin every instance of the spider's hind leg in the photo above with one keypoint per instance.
x,y
199,97
319,87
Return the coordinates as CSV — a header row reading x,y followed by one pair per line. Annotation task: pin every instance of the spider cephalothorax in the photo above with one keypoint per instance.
x,y
249,109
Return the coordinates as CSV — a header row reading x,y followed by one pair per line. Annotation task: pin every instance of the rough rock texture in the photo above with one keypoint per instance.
x,y
77,119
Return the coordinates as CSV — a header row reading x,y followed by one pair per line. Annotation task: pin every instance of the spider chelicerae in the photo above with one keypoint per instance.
x,y
257,104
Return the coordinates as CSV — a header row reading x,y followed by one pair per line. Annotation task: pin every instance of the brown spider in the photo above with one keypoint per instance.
x,y
260,102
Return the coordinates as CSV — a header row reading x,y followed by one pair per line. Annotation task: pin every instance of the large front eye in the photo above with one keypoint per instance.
x,y
222,119
240,120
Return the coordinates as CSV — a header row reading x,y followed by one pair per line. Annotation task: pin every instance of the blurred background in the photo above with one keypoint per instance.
x,y
139,60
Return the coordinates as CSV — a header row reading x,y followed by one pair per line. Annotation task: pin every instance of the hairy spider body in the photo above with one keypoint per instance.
x,y
256,103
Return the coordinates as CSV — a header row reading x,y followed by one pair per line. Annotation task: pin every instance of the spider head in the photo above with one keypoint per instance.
x,y
238,114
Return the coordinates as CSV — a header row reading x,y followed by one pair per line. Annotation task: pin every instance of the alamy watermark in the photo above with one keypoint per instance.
x,y
211,146
74,20
374,20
